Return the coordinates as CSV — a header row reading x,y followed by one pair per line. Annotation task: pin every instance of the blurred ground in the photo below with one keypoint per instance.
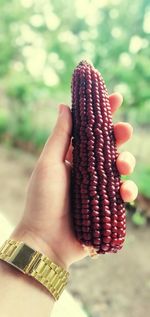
x,y
112,285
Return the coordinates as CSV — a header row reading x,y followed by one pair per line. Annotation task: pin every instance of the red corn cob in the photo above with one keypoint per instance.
x,y
97,207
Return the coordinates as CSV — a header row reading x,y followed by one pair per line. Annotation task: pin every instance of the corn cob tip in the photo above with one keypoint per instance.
x,y
86,65
84,62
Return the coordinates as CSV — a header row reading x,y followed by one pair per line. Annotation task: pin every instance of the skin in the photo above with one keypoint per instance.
x,y
46,224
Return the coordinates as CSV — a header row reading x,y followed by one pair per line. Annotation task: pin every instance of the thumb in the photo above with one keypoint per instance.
x,y
57,145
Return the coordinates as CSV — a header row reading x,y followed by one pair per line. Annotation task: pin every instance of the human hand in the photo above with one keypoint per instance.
x,y
46,223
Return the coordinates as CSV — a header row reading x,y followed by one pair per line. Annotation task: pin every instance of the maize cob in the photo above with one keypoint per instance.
x,y
97,208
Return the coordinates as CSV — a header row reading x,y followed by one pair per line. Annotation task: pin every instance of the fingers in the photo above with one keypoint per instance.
x,y
115,101
125,163
123,132
57,145
128,191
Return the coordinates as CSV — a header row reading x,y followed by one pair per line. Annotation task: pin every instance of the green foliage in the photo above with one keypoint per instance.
x,y
142,116
4,122
141,176
138,219
22,130
19,88
41,43
39,137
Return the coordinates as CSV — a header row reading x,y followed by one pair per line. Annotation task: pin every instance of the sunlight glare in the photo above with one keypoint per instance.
x,y
26,3
146,24
50,77
37,20
136,43
125,59
36,58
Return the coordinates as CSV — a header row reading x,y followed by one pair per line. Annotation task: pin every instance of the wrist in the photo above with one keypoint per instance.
x,y
22,233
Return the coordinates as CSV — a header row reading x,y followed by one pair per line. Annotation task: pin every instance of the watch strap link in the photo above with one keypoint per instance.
x,y
35,264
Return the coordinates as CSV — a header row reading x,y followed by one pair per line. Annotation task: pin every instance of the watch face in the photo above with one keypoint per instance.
x,y
22,257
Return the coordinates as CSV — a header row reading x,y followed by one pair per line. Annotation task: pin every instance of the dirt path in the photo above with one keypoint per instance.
x,y
112,285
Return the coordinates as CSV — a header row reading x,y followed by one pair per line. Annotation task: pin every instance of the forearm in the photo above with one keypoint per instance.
x,y
21,295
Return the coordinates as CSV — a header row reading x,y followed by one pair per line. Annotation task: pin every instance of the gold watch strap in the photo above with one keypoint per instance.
x,y
35,264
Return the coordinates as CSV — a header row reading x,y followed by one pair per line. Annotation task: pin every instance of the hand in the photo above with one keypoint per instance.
x,y
46,223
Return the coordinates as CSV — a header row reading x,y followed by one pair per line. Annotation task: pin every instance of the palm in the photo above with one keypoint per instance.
x,y
50,216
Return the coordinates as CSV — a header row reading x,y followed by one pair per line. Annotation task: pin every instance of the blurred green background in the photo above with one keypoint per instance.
x,y
40,44
42,41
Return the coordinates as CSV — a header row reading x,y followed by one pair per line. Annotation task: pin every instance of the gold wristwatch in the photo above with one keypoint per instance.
x,y
35,264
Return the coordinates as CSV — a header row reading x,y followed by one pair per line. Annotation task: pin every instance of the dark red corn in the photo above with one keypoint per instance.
x,y
97,207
